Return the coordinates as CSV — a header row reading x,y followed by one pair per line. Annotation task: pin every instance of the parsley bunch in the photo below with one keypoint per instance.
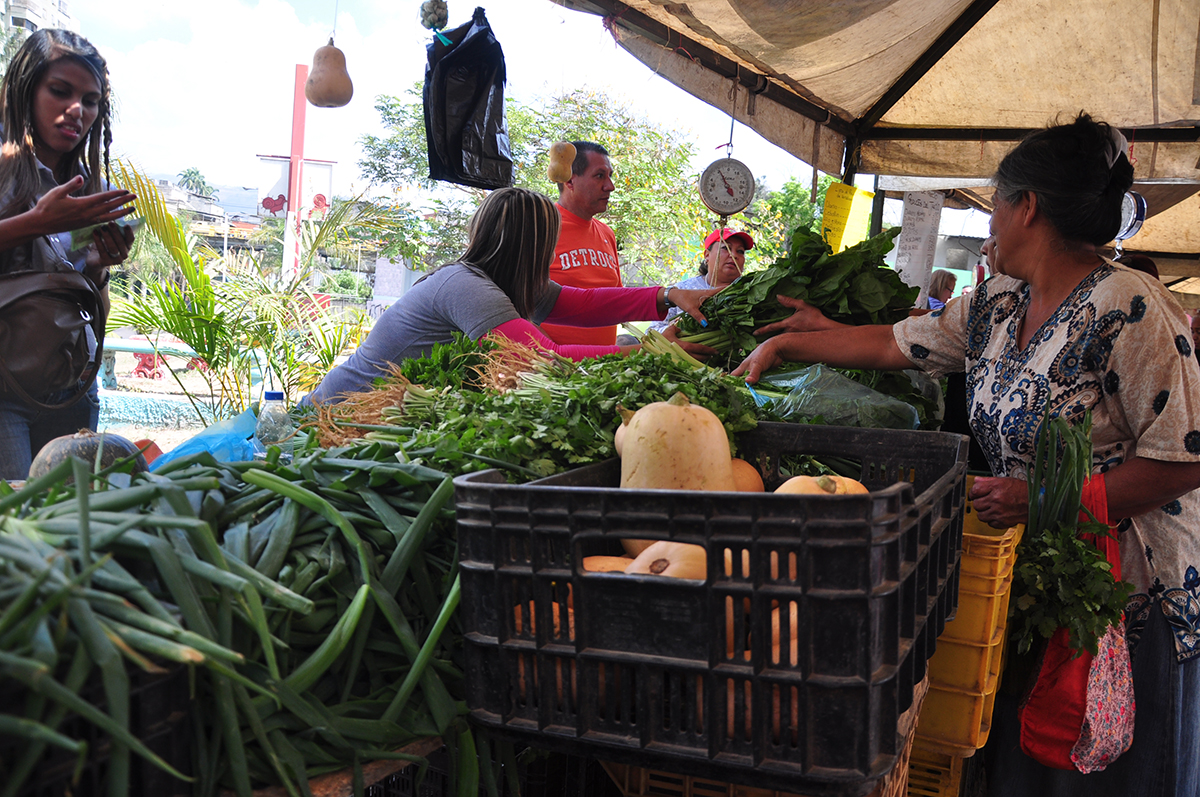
x,y
1060,580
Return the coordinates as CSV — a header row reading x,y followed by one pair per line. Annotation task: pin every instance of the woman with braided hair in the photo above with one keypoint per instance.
x,y
55,107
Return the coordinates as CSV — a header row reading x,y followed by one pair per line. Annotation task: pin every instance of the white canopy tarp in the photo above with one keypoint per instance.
x,y
942,88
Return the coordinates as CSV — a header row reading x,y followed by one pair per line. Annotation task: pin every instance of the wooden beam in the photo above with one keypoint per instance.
x,y
942,45
1139,134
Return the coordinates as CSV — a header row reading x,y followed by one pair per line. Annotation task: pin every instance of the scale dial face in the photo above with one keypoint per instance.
x,y
1133,213
726,186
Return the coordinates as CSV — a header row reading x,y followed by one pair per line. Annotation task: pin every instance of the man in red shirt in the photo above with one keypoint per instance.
x,y
586,254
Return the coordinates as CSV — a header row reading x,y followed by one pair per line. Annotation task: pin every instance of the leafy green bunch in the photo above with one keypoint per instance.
x,y
1061,580
454,364
562,417
854,286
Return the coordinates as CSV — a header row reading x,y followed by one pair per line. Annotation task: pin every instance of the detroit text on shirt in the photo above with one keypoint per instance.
x,y
578,258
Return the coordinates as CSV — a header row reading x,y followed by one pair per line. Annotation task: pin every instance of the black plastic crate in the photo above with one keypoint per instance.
x,y
546,775
644,670
158,716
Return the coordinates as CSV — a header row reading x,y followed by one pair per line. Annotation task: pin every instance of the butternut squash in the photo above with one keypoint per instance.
x,y
673,559
743,573
619,435
793,660
520,617
809,485
848,486
329,84
634,548
562,155
606,564
676,445
559,679
746,478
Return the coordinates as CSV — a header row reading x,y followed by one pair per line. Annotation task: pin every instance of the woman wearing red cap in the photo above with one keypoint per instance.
x,y
724,258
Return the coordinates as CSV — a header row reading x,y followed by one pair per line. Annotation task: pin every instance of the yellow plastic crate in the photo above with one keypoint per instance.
x,y
932,773
964,672
979,615
966,665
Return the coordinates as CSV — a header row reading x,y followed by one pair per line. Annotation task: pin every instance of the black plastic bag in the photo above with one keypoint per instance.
x,y
464,108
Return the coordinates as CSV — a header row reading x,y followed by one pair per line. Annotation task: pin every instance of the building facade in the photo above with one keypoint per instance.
x,y
33,15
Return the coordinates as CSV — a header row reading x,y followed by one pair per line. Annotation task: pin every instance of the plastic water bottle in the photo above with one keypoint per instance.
x,y
274,427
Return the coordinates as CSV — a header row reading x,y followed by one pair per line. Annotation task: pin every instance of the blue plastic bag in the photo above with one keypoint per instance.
x,y
230,440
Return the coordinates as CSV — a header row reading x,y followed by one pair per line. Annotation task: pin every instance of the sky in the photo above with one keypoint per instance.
x,y
210,84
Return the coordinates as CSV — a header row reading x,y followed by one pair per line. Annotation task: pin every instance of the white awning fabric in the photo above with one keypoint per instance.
x,y
942,88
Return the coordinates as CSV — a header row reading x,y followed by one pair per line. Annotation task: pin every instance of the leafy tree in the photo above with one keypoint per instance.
x,y
347,283
350,228
235,326
775,215
192,180
794,202
11,39
148,262
655,211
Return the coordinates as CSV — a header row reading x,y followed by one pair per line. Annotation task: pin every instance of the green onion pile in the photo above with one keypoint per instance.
x,y
1060,580
316,598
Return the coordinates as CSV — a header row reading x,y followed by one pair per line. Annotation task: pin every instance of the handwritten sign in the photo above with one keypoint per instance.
x,y
918,240
847,215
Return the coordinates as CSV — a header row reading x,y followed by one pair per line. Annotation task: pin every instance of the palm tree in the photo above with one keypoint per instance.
x,y
191,179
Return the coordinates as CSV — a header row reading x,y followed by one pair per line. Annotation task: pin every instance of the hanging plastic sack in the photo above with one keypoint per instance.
x,y
464,107
819,392
1079,714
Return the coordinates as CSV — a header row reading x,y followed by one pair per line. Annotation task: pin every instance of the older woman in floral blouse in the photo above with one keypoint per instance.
x,y
1064,330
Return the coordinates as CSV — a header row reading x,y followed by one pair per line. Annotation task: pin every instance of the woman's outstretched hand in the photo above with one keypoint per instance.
x,y
806,318
698,351
689,302
57,211
764,357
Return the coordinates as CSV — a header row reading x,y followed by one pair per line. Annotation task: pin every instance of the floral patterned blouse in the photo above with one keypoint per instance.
x,y
1119,346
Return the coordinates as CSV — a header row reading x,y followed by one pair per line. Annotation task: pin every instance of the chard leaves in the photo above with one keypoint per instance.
x,y
854,286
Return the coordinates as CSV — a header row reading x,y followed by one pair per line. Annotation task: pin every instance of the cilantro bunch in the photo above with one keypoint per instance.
x,y
1060,580
854,286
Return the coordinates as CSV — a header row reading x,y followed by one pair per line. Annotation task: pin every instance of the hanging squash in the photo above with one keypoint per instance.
x,y
328,84
562,155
